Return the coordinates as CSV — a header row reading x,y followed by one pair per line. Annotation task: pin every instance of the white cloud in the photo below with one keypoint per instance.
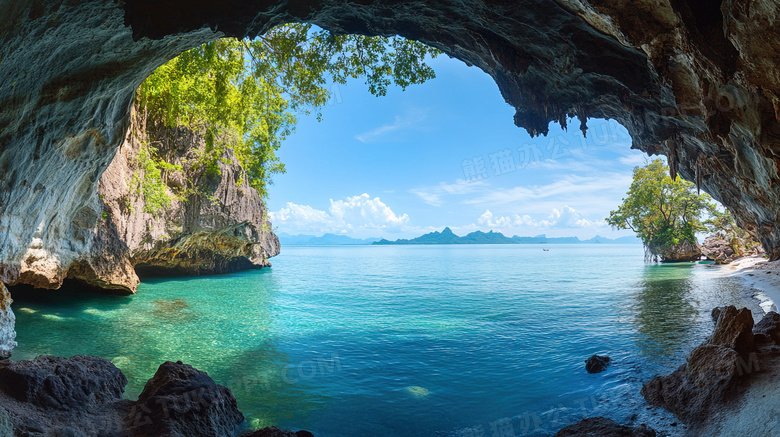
x,y
568,190
358,215
363,211
409,120
566,218
433,195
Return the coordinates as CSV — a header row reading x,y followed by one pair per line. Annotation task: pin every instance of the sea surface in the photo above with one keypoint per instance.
x,y
406,340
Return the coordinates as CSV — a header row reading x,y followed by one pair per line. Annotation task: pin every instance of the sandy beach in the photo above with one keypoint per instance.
x,y
759,273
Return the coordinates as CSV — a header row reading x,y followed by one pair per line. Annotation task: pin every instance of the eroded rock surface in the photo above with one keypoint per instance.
x,y
221,226
82,396
181,401
79,396
713,374
683,252
603,427
7,324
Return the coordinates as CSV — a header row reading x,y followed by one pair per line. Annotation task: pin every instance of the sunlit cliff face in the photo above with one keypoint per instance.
x,y
698,85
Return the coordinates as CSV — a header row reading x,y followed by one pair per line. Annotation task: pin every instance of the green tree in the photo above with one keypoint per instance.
x,y
723,226
664,212
244,94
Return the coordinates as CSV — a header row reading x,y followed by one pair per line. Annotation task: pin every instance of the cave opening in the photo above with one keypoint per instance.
x,y
390,342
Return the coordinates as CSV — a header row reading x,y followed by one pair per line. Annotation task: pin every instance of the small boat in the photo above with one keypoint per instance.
x,y
546,250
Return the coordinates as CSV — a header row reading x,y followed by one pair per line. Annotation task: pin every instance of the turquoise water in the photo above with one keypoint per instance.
x,y
404,340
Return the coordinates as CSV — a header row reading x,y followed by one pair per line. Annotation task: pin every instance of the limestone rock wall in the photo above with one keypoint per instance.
x,y
220,226
7,323
696,81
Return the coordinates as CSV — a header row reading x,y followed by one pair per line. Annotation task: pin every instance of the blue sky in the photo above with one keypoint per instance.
x,y
446,153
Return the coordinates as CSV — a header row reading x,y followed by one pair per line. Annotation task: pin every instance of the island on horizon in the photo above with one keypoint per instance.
x,y
478,237
446,236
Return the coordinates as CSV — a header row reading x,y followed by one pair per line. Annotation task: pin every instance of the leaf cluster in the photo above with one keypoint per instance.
x,y
244,94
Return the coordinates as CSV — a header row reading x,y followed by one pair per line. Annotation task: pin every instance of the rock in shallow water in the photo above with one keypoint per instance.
x,y
603,427
181,401
82,396
51,396
273,431
597,363
711,376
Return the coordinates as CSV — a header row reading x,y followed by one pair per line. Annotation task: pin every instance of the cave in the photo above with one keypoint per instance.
x,y
692,80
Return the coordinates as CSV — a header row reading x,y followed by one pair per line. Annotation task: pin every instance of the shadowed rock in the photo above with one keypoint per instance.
x,y
82,396
711,375
603,427
596,363
181,401
767,331
81,382
53,396
273,431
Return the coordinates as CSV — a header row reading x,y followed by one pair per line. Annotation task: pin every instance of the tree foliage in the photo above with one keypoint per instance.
x,y
664,212
244,94
150,184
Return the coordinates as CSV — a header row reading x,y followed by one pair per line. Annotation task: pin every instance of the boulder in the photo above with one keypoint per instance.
x,y
734,330
56,396
596,363
685,251
273,431
78,383
711,376
767,331
181,401
603,427
718,249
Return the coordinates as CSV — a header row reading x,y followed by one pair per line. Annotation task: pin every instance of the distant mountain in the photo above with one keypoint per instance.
x,y
325,240
478,237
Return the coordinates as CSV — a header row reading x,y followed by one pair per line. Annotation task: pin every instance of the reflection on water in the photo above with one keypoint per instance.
x,y
663,311
672,306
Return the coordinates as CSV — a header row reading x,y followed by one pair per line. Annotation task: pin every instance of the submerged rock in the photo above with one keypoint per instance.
x,y
596,363
181,401
603,427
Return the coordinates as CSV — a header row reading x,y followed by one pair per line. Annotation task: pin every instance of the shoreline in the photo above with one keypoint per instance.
x,y
760,274
753,412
